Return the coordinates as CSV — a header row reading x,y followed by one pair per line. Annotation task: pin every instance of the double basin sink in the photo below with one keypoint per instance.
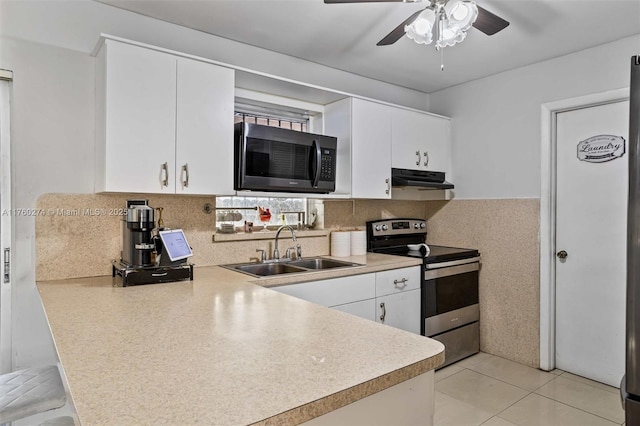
x,y
290,266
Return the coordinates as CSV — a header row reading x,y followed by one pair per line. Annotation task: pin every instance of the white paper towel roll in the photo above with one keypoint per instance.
x,y
341,243
358,243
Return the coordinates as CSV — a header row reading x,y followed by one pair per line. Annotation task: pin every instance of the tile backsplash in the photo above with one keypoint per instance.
x,y
82,233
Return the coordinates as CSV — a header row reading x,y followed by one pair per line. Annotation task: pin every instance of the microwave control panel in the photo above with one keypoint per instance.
x,y
328,165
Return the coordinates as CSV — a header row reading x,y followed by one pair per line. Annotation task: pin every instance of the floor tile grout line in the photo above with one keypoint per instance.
x,y
577,408
511,384
506,408
589,384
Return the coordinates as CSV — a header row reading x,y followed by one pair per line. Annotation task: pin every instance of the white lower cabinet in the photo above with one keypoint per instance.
x,y
334,291
400,310
398,298
364,309
389,297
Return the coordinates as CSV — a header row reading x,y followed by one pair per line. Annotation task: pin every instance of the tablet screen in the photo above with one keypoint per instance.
x,y
175,244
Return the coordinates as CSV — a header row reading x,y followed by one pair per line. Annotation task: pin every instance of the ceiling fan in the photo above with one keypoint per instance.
x,y
448,19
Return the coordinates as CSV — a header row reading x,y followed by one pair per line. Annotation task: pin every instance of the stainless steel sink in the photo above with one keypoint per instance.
x,y
321,263
289,267
267,269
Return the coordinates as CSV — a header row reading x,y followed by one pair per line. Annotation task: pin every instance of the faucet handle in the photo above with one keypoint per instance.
x,y
298,251
263,255
288,253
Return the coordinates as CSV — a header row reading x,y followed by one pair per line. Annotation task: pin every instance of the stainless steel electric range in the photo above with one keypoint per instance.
x,y
450,310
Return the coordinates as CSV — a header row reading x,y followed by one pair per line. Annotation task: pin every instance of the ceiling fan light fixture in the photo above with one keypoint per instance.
x,y
421,29
461,13
450,35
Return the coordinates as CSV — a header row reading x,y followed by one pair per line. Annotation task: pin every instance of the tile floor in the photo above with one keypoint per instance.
x,y
491,391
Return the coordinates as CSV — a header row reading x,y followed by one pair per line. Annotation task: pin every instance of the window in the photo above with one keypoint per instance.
x,y
234,211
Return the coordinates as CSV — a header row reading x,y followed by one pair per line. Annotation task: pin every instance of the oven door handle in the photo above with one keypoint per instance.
x,y
431,274
452,263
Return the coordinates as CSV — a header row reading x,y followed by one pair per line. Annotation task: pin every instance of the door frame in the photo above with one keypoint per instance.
x,y
549,112
6,221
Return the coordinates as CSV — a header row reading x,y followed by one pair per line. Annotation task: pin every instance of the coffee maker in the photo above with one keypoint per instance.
x,y
138,247
141,249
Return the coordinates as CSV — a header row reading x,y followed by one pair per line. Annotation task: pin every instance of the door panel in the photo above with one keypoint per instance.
x,y
591,202
400,310
204,134
141,117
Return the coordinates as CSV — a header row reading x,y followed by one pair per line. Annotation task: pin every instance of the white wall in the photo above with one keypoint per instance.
x,y
496,120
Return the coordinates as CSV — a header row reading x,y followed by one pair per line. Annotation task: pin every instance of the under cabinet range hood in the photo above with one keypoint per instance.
x,y
419,179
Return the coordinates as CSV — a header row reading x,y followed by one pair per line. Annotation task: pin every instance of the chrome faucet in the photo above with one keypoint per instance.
x,y
276,252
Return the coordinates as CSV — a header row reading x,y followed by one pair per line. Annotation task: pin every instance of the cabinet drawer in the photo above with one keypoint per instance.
x,y
397,280
334,291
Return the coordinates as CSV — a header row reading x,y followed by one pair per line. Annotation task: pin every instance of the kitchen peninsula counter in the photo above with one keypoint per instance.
x,y
222,350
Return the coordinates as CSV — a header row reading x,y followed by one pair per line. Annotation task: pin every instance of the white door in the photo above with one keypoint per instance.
x,y
5,222
591,203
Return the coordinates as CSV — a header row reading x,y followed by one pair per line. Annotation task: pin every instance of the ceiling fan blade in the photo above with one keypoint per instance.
x,y
363,1
398,31
488,22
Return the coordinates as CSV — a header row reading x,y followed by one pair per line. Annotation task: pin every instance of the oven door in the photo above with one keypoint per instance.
x,y
449,297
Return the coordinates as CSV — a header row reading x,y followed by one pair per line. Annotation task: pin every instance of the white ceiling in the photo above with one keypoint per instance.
x,y
344,36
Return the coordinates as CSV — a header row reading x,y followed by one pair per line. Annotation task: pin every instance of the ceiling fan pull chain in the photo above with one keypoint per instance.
x,y
442,59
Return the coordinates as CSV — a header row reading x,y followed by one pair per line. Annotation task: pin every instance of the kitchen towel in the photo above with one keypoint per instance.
x,y
341,243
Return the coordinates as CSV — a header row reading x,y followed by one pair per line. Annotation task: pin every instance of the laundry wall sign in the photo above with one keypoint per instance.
x,y
601,148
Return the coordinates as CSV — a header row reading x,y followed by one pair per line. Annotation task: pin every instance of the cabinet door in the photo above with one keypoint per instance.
x,y
364,309
400,310
204,133
334,291
370,150
437,144
409,137
140,120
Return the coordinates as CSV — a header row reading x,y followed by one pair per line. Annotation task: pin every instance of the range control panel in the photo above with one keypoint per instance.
x,y
389,227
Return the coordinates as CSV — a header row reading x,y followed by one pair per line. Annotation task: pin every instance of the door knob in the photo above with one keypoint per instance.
x,y
562,254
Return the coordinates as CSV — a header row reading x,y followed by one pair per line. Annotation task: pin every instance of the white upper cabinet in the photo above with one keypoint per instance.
x,y
420,141
204,133
135,119
164,124
365,126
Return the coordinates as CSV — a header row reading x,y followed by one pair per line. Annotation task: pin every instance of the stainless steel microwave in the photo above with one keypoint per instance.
x,y
282,160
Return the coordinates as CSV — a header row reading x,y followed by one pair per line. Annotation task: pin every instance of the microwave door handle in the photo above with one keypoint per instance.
x,y
318,160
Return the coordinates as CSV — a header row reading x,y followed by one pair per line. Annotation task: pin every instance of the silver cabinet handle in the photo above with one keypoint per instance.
x,y
426,158
185,171
418,154
384,312
388,186
164,168
403,283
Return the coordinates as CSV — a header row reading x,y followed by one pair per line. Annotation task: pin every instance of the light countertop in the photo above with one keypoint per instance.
x,y
222,350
